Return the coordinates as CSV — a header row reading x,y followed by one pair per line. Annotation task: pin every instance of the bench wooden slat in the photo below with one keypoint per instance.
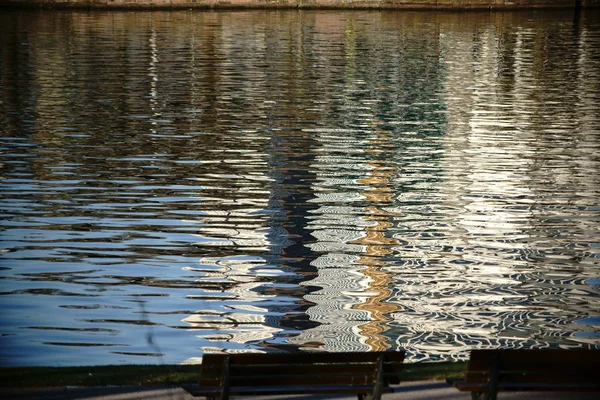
x,y
197,390
290,381
300,380
302,358
283,370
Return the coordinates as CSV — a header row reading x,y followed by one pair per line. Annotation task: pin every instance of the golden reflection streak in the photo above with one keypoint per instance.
x,y
377,246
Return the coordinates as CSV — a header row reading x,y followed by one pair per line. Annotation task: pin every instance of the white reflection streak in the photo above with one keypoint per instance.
x,y
153,74
489,146
588,114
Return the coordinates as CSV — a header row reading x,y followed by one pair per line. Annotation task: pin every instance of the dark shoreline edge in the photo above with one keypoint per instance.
x,y
375,5
143,375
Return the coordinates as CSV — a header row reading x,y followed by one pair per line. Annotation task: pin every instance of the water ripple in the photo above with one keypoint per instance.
x,y
263,181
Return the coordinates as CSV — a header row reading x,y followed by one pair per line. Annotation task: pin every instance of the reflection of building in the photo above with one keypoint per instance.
x,y
486,164
357,170
516,161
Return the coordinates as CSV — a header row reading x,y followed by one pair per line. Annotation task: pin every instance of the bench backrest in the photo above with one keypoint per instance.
x,y
299,369
536,368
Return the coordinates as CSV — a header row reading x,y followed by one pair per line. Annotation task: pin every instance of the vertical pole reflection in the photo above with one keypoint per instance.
x,y
153,74
291,156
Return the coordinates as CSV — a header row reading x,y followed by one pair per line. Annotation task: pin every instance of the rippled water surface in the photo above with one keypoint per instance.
x,y
174,183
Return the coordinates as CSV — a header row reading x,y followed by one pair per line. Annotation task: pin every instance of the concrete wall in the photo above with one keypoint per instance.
x,y
376,4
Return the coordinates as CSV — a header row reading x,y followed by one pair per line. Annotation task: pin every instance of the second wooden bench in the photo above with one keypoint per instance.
x,y
542,370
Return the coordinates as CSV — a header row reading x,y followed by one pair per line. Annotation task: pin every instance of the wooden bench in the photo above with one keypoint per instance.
x,y
367,375
493,371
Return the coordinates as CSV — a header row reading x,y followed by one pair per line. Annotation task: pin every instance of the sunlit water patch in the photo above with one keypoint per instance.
x,y
175,183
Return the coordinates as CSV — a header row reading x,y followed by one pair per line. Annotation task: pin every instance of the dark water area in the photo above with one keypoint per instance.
x,y
175,183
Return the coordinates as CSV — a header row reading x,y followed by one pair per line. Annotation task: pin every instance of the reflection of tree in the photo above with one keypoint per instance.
x,y
18,89
291,156
291,159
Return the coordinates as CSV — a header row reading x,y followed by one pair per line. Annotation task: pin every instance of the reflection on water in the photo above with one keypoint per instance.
x,y
173,183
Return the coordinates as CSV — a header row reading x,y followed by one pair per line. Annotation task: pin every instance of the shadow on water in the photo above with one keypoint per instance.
x,y
291,157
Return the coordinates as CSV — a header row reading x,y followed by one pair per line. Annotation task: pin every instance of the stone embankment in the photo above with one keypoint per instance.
x,y
339,4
